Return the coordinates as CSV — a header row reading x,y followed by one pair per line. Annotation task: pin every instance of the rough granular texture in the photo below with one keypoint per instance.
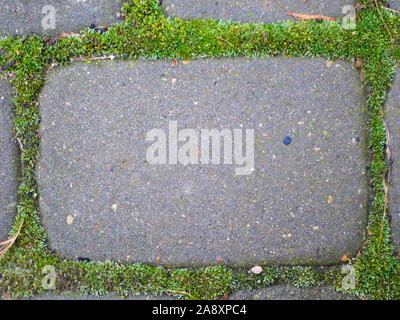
x,y
394,4
27,17
286,292
305,202
8,162
252,10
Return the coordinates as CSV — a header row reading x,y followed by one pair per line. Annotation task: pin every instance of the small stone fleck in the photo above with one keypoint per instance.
x,y
70,219
287,140
256,270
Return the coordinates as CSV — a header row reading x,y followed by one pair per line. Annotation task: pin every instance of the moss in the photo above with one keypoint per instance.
x,y
146,32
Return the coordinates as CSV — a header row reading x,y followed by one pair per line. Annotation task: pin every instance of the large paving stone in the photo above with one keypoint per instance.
x,y
304,203
286,292
266,11
24,17
8,162
393,121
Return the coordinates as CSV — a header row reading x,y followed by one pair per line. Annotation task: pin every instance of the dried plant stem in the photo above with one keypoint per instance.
x,y
383,20
6,245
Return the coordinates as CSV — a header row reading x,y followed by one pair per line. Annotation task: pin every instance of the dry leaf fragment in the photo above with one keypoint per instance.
x,y
69,35
301,17
330,199
358,63
345,258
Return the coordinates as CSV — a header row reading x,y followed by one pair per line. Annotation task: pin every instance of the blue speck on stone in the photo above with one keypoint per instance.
x,y
287,140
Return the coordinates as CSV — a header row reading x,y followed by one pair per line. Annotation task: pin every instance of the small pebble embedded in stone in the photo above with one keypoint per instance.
x,y
287,140
83,259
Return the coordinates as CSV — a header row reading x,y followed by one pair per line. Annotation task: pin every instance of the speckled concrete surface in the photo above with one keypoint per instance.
x,y
394,4
286,292
24,17
251,10
393,121
8,162
72,296
304,203
273,292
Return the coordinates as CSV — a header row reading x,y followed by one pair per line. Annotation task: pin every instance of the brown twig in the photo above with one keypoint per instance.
x,y
252,34
383,20
283,7
180,292
220,38
299,15
6,245
362,247
385,189
20,144
2,68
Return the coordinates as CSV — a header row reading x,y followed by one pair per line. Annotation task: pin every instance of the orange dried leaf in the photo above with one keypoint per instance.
x,y
301,17
358,63
69,35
